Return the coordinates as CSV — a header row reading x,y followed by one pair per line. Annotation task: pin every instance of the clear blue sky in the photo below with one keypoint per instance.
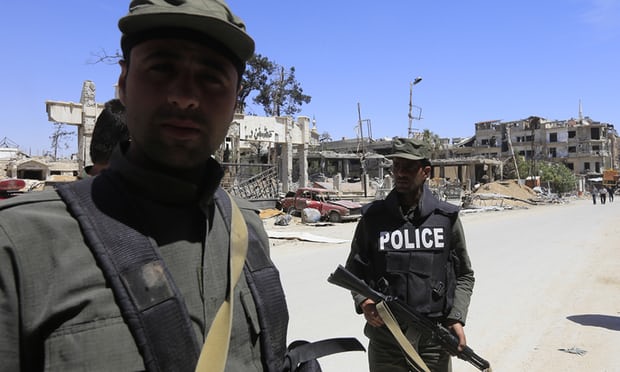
x,y
479,60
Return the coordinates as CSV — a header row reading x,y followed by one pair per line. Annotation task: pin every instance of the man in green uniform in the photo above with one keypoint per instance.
x,y
411,246
180,76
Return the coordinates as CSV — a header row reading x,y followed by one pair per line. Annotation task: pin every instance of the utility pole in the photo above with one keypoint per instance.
x,y
359,123
363,158
512,151
411,84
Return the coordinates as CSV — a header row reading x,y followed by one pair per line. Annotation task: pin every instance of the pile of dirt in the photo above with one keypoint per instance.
x,y
508,193
509,188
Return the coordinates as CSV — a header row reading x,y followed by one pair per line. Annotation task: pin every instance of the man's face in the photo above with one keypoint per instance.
x,y
180,98
409,175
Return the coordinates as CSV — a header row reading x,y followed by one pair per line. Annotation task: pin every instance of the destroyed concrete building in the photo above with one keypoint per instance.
x,y
583,145
465,170
264,157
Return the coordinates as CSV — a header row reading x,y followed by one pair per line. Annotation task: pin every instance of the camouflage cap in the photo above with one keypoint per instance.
x,y
409,148
212,18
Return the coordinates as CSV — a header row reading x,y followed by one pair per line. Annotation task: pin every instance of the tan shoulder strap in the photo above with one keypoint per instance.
x,y
413,358
215,349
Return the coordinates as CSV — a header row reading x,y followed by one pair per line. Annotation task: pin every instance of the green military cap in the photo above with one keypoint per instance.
x,y
212,18
409,148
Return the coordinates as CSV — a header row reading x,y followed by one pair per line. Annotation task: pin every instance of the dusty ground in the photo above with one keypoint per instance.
x,y
547,278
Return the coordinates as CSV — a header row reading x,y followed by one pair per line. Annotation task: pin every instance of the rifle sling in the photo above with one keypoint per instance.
x,y
303,351
412,356
215,349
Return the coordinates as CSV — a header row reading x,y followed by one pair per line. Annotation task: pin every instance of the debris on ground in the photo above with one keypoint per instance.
x,y
300,235
270,212
310,215
504,194
574,350
283,220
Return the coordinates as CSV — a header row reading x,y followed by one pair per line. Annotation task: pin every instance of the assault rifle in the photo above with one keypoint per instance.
x,y
344,278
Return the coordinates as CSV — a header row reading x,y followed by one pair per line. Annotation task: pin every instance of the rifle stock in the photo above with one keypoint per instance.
x,y
345,279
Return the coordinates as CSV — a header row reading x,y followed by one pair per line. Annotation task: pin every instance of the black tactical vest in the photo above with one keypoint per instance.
x,y
260,273
412,258
264,282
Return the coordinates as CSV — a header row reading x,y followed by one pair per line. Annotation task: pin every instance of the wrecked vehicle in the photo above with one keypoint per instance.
x,y
327,202
11,187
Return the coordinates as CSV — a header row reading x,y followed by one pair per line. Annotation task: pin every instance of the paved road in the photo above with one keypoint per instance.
x,y
547,278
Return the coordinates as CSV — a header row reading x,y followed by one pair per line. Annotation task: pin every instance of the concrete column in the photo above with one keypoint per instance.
x,y
89,115
387,182
337,179
471,175
302,150
286,169
235,155
366,184
83,115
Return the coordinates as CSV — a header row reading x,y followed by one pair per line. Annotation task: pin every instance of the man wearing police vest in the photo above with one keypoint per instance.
x,y
412,246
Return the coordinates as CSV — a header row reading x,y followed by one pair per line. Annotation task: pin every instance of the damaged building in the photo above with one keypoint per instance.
x,y
265,157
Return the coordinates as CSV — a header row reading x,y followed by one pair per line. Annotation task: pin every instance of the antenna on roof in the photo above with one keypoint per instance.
x,y
6,142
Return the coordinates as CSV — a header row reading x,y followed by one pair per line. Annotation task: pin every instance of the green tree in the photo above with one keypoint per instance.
x,y
509,167
277,90
558,176
60,138
282,94
257,73
325,137
433,140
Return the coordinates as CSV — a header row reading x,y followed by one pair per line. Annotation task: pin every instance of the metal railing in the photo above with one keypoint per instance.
x,y
243,181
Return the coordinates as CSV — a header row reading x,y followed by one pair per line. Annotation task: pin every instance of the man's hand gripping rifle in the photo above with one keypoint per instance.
x,y
344,278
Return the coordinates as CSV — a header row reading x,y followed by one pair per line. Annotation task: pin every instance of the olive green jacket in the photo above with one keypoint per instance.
x,y
58,314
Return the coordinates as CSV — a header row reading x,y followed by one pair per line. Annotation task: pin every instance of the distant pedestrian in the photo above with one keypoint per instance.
x,y
610,192
603,194
594,193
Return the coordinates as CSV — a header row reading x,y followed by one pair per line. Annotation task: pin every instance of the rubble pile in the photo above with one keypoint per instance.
x,y
502,194
508,187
